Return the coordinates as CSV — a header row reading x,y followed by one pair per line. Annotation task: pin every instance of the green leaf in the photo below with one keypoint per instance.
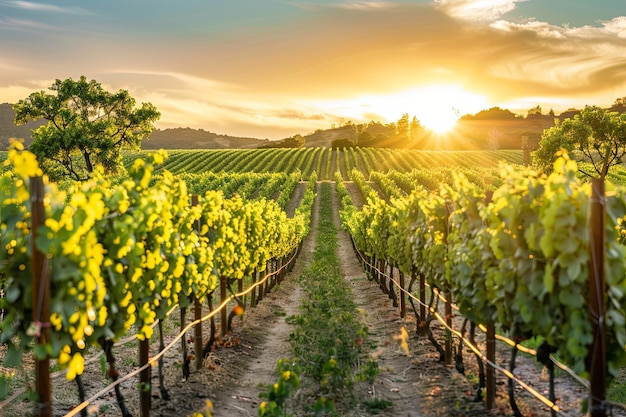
x,y
570,298
548,278
41,351
12,294
13,356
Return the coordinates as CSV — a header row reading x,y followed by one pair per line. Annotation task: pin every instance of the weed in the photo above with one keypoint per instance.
x,y
278,393
376,405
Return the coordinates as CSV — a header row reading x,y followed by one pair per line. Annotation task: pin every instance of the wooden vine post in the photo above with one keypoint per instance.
x,y
448,296
41,299
224,310
596,359
402,296
145,376
422,304
490,372
197,309
255,276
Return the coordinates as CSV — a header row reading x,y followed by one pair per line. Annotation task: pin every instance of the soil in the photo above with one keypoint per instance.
x,y
415,382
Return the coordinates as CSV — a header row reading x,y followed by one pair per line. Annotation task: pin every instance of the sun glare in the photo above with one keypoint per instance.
x,y
441,121
437,106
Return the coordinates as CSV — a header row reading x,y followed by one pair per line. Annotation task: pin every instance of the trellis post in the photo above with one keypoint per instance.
x,y
41,299
596,358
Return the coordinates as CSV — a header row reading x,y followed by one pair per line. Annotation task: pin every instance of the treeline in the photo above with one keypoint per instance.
x,y
491,129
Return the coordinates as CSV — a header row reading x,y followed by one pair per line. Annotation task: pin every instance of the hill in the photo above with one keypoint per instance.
x,y
178,138
8,129
187,138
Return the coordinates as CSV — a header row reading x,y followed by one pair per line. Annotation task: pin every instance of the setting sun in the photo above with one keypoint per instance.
x,y
440,121
437,106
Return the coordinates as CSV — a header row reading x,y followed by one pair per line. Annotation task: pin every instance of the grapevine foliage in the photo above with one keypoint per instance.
x,y
520,259
120,256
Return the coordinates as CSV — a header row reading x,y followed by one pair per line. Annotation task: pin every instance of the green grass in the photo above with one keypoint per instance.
x,y
327,336
328,326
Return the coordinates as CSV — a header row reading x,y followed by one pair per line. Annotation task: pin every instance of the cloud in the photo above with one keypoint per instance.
x,y
477,10
617,26
197,102
24,25
41,7
542,29
349,5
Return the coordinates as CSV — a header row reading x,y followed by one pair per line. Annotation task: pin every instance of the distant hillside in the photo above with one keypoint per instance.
x,y
8,129
178,138
468,134
187,138
323,138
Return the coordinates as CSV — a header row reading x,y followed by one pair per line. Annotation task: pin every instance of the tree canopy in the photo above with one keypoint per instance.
x,y
494,113
595,135
87,127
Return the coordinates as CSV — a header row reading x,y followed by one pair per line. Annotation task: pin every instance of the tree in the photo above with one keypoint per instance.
x,y
535,112
403,126
619,104
341,143
494,113
297,141
365,139
416,129
87,127
599,136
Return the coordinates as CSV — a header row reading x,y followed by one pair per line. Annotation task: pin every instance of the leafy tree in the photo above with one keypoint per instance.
x,y
341,143
403,125
619,104
299,141
365,139
535,112
296,141
598,135
494,113
415,128
87,127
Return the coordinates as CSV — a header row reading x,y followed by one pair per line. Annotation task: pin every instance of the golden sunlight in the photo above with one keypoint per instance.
x,y
437,106
440,121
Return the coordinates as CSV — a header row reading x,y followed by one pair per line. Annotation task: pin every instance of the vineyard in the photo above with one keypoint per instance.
x,y
323,162
478,235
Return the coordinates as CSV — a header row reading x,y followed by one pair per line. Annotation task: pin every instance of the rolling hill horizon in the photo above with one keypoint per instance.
x,y
469,133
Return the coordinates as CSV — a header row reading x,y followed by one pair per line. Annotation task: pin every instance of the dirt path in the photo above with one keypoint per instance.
x,y
242,397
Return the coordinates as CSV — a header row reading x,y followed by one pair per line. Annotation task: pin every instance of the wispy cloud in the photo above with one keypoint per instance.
x,y
348,5
24,25
477,10
364,5
48,8
542,29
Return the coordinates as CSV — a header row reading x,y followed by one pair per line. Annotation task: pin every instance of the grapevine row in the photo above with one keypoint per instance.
x,y
324,161
519,259
120,256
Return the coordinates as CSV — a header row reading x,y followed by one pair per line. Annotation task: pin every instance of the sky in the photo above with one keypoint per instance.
x,y
275,68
